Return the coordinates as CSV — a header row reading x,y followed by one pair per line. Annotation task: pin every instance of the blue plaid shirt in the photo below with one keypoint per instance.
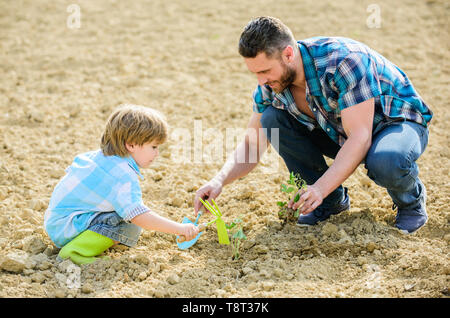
x,y
340,73
94,183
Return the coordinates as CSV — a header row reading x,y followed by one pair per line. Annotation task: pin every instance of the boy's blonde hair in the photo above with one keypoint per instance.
x,y
132,124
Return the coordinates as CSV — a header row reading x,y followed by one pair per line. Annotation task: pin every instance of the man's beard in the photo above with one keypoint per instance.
x,y
287,78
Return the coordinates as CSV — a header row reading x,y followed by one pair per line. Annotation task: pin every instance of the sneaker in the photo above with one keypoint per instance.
x,y
322,213
409,221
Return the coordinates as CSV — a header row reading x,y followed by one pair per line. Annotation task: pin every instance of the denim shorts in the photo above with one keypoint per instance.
x,y
111,225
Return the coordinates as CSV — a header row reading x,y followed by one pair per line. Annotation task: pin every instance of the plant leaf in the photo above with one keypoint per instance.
x,y
291,178
297,197
230,226
240,235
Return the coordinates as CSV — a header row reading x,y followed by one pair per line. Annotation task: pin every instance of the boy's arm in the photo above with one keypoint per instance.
x,y
153,221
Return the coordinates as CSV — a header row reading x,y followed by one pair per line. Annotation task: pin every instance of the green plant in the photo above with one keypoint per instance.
x,y
237,236
294,185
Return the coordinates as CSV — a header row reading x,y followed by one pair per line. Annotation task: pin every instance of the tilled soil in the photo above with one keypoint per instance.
x,y
60,84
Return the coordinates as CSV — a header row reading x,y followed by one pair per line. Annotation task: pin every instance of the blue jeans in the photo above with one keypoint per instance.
x,y
390,161
111,225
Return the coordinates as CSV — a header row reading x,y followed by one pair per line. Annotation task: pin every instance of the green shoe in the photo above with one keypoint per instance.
x,y
83,248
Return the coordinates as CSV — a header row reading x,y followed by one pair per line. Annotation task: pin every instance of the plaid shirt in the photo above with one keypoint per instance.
x,y
93,184
341,73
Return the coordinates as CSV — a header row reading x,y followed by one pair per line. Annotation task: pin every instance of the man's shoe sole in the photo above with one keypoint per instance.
x,y
306,224
405,232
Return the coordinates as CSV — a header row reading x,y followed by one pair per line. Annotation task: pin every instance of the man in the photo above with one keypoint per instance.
x,y
334,97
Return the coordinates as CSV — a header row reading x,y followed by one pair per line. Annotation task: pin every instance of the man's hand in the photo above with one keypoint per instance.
x,y
309,200
210,190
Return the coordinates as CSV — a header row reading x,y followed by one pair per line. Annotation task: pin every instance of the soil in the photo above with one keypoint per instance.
x,y
59,84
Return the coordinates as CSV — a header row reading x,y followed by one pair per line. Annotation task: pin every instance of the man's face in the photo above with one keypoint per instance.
x,y
271,71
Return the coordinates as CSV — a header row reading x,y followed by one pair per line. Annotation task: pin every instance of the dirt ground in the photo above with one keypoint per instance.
x,y
59,83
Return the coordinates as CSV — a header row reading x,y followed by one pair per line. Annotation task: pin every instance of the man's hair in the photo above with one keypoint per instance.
x,y
132,124
265,34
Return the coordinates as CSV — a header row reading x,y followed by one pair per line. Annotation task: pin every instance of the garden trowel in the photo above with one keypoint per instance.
x,y
182,243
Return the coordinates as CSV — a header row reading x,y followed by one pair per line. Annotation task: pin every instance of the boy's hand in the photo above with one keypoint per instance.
x,y
189,231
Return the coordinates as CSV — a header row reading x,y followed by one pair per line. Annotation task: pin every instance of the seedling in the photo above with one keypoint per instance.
x,y
294,184
237,236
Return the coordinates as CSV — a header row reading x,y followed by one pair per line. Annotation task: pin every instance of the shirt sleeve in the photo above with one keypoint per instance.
x,y
262,98
356,79
128,202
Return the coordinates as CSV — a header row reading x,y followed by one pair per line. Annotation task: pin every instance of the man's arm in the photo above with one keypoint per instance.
x,y
357,122
243,160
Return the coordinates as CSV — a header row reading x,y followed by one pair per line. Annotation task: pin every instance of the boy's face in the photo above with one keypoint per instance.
x,y
145,154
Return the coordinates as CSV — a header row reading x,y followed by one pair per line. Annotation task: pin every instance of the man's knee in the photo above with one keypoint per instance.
x,y
391,170
273,117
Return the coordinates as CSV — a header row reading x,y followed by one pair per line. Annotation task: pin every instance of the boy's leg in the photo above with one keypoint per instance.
x,y
104,231
111,225
391,163
83,248
302,150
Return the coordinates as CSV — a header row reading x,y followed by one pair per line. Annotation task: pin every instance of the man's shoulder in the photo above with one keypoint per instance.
x,y
335,47
330,41
327,53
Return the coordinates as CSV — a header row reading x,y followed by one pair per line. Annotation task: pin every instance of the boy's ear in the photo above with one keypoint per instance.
x,y
130,147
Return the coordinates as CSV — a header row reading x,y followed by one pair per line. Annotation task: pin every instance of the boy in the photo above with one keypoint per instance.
x,y
98,203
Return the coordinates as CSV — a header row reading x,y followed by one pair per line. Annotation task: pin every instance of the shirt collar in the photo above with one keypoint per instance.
x,y
309,67
133,165
312,81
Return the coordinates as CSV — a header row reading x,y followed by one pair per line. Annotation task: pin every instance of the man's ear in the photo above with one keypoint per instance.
x,y
130,147
288,54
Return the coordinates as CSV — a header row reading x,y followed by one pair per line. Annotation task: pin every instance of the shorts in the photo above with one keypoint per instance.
x,y
111,225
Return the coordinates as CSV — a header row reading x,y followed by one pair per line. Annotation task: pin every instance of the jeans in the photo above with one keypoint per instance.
x,y
111,225
390,161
